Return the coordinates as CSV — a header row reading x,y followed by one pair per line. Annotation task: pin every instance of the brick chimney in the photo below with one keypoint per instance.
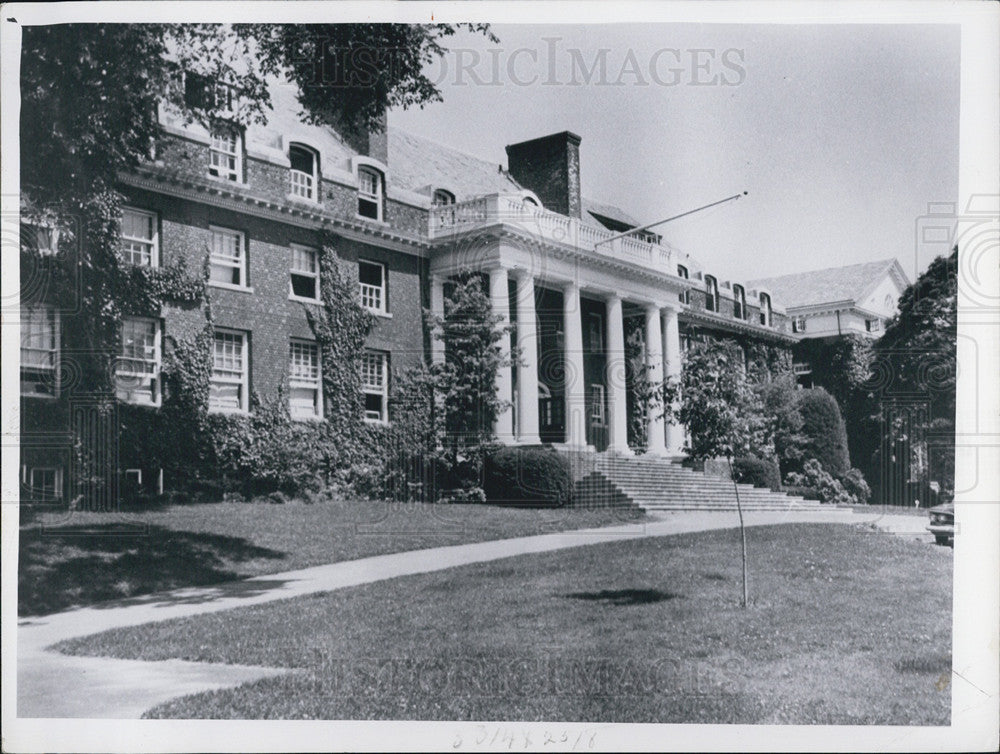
x,y
549,166
374,144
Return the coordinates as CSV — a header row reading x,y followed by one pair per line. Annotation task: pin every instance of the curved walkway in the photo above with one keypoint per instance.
x,y
51,684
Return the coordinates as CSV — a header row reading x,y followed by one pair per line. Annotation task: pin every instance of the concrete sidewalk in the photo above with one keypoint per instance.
x,y
50,684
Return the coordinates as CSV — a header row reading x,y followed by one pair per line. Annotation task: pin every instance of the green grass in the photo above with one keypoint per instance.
x,y
84,558
846,627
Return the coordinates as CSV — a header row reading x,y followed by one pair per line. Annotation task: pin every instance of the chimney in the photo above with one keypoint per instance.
x,y
371,143
549,166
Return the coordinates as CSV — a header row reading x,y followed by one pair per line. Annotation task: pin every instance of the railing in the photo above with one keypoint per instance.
x,y
513,210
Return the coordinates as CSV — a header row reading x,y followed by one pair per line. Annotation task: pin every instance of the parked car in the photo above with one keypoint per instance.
x,y
942,524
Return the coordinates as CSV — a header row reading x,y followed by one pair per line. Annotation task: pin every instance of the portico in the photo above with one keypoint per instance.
x,y
572,350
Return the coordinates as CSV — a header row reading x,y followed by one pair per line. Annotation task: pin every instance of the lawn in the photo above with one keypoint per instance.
x,y
846,626
84,558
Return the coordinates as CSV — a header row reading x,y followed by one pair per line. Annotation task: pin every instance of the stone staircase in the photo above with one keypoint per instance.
x,y
603,480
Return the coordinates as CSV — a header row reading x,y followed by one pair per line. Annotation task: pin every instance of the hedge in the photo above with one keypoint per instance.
x,y
758,472
527,476
824,435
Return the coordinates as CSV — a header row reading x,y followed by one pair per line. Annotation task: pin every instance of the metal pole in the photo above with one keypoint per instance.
x,y
675,217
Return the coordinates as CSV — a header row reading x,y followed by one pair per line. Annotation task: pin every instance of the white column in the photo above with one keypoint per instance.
x,y
672,357
500,300
576,409
617,393
527,370
437,309
655,434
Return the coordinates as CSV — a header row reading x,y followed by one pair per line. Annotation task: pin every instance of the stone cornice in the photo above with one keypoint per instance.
x,y
222,195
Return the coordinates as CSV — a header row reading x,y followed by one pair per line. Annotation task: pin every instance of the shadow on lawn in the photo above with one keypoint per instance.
x,y
621,597
75,565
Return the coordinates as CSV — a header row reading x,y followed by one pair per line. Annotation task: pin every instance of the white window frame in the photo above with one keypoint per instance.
x,y
597,412
873,325
764,299
301,184
442,198
57,480
226,376
299,382
225,163
153,242
294,270
684,274
376,197
232,263
369,293
712,289
798,324
52,317
123,374
369,388
739,302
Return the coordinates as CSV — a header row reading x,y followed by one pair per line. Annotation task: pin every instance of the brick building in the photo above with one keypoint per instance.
x,y
253,206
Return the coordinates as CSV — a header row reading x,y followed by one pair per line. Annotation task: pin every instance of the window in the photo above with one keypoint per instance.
x,y
228,260
304,171
139,238
39,351
799,324
137,371
369,193
711,293
305,273
373,293
765,310
228,388
442,198
226,155
595,332
44,484
873,325
305,395
597,404
888,302
41,238
203,92
375,386
739,302
682,272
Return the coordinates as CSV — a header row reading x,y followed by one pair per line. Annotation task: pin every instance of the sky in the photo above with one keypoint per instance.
x,y
840,134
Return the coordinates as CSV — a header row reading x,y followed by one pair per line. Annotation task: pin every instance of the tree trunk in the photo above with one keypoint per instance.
x,y
743,532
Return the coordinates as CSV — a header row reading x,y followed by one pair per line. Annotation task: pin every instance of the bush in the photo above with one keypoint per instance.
x,y
826,487
824,437
758,472
856,486
809,493
527,476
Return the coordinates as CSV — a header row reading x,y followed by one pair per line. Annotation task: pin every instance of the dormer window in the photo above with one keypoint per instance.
x,y
304,171
765,310
442,198
226,154
682,272
711,293
873,325
799,325
739,302
370,193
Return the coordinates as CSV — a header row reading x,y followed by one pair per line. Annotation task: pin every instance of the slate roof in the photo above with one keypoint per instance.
x,y
827,286
417,163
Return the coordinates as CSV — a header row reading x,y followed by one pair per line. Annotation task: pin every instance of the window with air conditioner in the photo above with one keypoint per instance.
x,y
39,351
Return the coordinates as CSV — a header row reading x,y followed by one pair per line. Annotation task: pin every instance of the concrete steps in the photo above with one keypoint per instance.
x,y
653,484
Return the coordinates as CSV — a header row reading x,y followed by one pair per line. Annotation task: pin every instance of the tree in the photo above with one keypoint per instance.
x,y
474,338
722,412
918,350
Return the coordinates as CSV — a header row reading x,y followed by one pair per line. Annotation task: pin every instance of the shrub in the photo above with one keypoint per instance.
x,y
856,486
757,471
806,492
527,476
824,437
826,487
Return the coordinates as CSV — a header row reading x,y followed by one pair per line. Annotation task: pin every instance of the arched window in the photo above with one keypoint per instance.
x,y
711,293
304,171
529,201
682,272
765,310
442,198
370,193
739,302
